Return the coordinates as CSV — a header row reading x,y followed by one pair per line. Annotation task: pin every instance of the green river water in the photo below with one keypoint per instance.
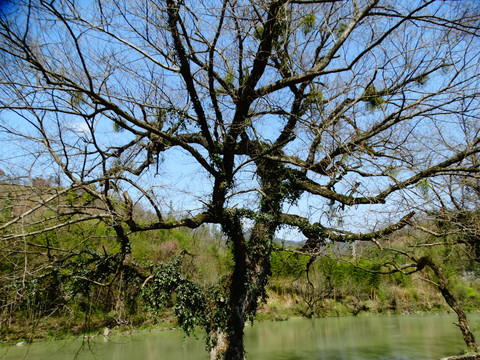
x,y
373,337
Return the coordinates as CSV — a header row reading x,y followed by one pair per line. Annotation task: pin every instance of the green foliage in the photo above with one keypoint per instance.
x,y
76,98
218,309
245,76
308,23
424,186
401,279
340,29
282,25
166,279
373,98
466,292
229,78
6,207
229,82
190,301
42,293
87,198
286,264
189,306
97,287
95,282
392,171
160,116
258,33
119,125
279,182
360,275
80,197
71,198
192,305
223,259
314,98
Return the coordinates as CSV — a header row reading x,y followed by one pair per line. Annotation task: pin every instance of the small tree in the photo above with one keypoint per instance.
x,y
327,117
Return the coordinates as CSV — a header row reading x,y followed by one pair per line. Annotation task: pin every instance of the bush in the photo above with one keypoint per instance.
x,y
286,264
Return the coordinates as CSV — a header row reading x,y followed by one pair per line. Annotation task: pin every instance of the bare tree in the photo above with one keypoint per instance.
x,y
329,117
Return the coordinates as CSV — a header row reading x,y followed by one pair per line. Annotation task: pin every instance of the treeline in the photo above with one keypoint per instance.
x,y
91,290
77,279
336,285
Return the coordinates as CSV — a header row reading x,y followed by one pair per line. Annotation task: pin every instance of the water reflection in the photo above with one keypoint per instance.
x,y
372,338
386,338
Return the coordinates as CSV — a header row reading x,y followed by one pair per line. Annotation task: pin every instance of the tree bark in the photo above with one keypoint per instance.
x,y
227,342
462,323
442,285
247,285
221,345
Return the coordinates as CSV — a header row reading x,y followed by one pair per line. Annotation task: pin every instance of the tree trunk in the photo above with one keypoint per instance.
x,y
227,343
462,323
222,349
442,285
248,281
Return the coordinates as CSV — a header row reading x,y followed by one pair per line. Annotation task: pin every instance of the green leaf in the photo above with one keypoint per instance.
x,y
308,24
424,186
117,126
372,97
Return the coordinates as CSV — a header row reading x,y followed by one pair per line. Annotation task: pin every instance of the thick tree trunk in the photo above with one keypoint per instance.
x,y
222,349
248,280
227,343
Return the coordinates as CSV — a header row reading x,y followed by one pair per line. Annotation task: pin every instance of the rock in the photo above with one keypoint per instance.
x,y
106,332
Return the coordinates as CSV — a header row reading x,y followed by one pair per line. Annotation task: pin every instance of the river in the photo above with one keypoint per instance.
x,y
361,338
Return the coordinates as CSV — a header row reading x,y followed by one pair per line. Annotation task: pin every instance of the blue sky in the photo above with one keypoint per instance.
x,y
182,184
